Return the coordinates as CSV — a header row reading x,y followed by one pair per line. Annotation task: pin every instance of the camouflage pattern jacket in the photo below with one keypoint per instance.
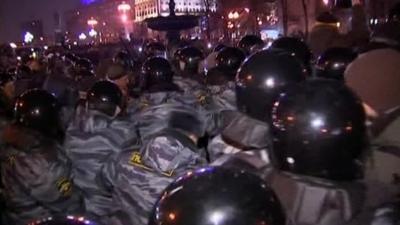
x,y
137,177
90,140
241,134
150,111
37,177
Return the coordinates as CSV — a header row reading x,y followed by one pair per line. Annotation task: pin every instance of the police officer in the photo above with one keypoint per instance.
x,y
97,133
220,81
159,93
217,196
36,174
189,78
380,99
333,62
319,149
84,76
259,81
221,86
137,177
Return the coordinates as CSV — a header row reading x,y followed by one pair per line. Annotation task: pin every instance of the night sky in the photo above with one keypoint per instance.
x,y
14,12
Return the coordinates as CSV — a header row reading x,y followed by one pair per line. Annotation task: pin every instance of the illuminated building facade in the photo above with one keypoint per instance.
x,y
151,8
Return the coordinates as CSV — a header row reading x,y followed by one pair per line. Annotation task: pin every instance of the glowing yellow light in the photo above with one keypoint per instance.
x,y
171,216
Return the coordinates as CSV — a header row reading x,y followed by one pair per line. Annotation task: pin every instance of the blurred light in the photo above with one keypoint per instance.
x,y
19,58
376,21
260,23
82,36
209,45
124,7
46,47
326,2
216,217
124,18
41,38
140,49
247,10
171,216
270,82
92,22
75,43
337,24
290,160
317,123
13,45
92,33
28,37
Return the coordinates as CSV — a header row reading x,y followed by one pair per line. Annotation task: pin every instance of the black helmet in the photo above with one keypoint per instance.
x,y
123,58
66,220
189,59
218,196
333,62
105,96
262,77
319,130
250,44
295,47
229,60
38,110
153,49
394,13
84,64
156,71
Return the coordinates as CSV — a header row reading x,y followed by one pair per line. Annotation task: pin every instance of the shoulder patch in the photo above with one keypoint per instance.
x,y
64,186
136,160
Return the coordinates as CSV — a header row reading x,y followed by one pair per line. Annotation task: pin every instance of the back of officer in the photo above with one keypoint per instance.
x,y
137,177
220,85
259,81
36,174
319,152
159,94
188,76
220,80
97,133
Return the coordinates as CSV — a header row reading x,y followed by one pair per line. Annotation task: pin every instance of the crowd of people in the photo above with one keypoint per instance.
x,y
291,132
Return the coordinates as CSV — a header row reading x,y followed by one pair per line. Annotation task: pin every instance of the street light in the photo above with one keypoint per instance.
x,y
28,37
92,22
124,9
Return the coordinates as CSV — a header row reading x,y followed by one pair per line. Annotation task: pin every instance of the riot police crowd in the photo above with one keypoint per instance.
x,y
291,132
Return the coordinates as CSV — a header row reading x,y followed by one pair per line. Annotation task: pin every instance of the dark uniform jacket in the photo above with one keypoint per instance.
x,y
37,177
